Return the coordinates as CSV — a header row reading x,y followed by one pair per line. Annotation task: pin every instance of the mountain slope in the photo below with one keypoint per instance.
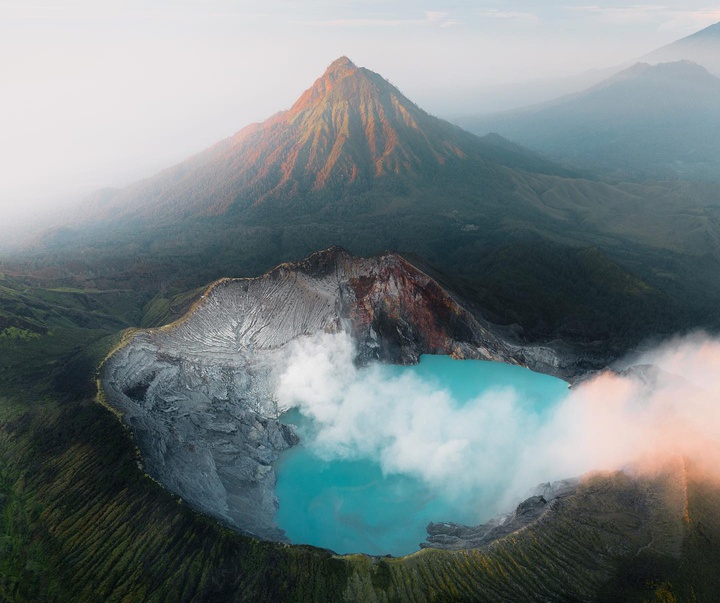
x,y
647,122
85,524
702,47
350,132
354,163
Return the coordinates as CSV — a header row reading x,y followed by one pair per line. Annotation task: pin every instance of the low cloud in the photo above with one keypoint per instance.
x,y
495,449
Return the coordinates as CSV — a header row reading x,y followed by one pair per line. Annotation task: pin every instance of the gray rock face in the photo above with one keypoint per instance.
x,y
453,536
198,394
201,430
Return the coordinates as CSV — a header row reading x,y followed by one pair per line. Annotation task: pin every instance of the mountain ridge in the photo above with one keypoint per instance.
x,y
647,122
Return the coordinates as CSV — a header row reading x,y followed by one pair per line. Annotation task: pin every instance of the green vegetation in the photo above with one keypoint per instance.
x,y
164,309
582,283
15,333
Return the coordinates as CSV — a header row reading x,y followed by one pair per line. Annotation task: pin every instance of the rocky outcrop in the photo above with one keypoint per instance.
x,y
198,394
453,536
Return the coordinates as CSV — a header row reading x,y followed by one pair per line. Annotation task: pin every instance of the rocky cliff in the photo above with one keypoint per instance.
x,y
198,394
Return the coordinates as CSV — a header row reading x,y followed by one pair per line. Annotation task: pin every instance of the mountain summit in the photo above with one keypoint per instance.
x,y
349,133
350,126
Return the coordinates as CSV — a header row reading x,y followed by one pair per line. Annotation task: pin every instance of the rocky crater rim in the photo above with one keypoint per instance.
x,y
556,358
198,393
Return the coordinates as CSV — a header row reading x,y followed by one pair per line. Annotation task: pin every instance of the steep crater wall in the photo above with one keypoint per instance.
x,y
198,394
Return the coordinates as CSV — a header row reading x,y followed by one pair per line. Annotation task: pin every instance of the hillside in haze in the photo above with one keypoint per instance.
x,y
648,122
702,47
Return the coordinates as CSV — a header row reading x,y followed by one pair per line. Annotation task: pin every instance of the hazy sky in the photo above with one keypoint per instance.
x,y
102,93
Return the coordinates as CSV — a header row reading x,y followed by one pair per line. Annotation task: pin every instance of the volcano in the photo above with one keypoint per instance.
x,y
501,256
351,132
355,163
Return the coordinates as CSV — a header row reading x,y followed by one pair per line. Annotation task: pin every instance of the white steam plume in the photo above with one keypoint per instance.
x,y
494,448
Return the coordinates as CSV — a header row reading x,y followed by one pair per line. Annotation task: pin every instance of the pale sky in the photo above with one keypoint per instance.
x,y
99,94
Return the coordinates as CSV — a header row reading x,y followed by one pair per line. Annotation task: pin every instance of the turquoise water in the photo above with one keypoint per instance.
x,y
349,505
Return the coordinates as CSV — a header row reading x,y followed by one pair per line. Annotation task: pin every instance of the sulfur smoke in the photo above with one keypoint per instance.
x,y
494,448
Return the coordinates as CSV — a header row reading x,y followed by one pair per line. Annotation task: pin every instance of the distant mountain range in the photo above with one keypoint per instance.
x,y
702,47
648,122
